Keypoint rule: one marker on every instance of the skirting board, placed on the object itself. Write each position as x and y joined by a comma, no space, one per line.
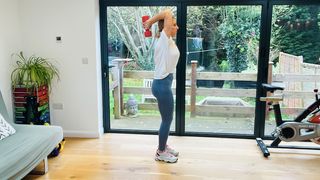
82,134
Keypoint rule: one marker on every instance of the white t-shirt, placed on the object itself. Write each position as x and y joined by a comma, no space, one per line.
166,56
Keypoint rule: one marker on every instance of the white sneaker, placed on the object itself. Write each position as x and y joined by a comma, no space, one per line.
172,151
165,156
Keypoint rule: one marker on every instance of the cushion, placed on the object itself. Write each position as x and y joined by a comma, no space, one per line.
5,128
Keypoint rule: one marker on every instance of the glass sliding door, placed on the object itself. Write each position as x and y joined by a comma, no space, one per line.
131,68
221,68
295,58
218,67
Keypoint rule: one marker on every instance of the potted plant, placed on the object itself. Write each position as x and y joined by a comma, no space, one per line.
33,71
31,81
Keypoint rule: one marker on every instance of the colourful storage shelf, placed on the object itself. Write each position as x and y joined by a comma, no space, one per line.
39,113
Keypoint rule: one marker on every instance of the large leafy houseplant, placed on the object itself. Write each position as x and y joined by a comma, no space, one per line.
31,79
33,71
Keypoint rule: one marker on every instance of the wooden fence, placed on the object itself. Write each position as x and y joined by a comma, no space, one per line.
193,91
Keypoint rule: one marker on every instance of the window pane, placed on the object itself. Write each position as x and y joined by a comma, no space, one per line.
221,68
132,105
295,52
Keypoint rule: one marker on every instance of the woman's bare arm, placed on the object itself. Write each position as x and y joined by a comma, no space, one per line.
167,16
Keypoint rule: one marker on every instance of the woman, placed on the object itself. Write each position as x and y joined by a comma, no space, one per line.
166,57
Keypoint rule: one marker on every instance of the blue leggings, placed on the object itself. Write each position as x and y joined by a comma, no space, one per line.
161,89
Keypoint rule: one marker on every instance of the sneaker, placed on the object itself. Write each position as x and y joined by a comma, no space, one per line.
172,151
165,156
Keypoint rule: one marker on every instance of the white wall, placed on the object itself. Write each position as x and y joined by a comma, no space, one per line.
79,90
9,43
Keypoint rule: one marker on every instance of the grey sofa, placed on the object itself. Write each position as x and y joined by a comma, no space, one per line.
21,152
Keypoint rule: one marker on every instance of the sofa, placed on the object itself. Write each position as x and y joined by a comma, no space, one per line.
28,147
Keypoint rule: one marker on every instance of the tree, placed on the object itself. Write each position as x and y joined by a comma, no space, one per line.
296,31
207,19
239,29
125,24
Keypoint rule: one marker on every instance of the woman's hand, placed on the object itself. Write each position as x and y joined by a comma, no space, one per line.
147,24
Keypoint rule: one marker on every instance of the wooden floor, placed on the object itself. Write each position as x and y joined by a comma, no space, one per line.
127,156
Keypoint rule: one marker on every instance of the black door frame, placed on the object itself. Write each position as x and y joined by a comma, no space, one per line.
104,55
264,45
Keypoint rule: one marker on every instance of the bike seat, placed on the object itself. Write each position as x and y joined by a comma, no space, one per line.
269,87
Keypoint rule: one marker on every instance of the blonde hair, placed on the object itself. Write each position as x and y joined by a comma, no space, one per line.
160,27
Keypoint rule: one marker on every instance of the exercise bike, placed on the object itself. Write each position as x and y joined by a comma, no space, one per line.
305,127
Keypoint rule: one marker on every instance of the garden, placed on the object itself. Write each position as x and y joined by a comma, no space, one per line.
224,41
